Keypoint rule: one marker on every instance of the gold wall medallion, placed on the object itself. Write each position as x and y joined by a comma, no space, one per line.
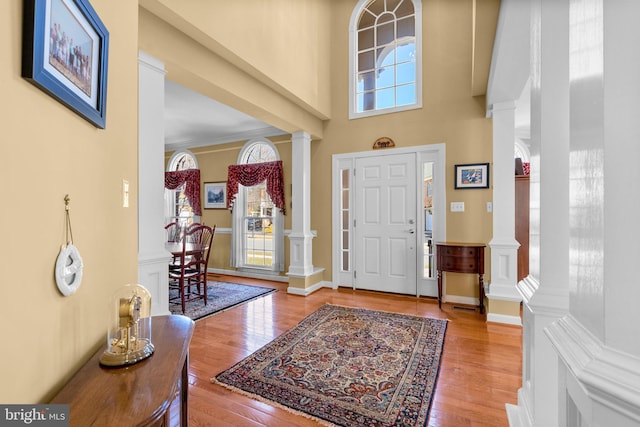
383,142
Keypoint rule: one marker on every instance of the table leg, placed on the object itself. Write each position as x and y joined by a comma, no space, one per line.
481,293
439,288
184,394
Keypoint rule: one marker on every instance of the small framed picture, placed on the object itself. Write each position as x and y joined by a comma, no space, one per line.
470,176
215,195
65,48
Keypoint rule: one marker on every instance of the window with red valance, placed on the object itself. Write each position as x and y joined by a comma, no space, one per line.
253,174
190,177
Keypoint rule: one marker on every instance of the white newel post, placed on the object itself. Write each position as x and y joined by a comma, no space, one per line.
301,262
504,246
152,257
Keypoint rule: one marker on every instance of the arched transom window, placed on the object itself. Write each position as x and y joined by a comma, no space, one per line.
385,64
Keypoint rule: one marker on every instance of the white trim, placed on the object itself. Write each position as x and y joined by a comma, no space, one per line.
353,49
503,318
309,290
606,377
457,299
248,274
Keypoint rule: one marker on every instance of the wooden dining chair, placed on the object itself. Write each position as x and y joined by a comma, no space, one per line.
190,278
173,232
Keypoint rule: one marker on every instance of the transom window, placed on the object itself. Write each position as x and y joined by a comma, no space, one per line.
385,64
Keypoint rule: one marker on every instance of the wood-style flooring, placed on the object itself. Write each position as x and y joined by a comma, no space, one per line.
481,367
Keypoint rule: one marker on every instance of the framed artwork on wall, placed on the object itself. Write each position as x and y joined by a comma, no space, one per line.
65,49
475,175
215,195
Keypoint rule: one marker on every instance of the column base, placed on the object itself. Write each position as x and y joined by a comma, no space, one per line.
306,284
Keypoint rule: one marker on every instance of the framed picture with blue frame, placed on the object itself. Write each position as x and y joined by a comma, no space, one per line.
65,53
475,175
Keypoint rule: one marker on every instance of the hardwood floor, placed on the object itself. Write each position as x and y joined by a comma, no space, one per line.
480,370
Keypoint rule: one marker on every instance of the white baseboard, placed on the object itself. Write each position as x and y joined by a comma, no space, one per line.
309,290
503,318
275,278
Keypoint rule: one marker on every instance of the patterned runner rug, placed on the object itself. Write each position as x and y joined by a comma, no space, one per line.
220,296
348,367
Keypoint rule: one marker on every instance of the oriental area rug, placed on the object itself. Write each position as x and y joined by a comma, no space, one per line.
220,296
347,367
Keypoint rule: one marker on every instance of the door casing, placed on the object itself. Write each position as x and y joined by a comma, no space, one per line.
435,153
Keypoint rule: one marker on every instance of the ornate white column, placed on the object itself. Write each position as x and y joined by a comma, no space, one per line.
152,257
504,246
546,290
301,263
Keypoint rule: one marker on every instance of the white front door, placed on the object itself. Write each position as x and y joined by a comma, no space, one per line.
385,223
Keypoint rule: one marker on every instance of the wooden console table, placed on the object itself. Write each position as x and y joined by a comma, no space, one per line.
135,395
461,258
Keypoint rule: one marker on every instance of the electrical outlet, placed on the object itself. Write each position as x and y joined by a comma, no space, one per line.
125,193
457,206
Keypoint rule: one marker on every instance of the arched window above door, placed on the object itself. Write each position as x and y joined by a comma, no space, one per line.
385,57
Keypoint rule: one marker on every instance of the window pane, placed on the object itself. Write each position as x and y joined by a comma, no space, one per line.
366,20
406,27
368,101
405,9
384,98
385,34
406,94
386,77
365,39
345,220
345,178
365,61
376,7
384,57
406,73
345,240
360,102
366,81
385,17
406,52
345,261
345,199
392,4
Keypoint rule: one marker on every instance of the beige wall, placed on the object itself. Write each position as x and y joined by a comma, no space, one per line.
450,113
49,151
292,59
213,71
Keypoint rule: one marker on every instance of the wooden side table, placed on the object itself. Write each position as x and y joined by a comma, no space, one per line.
136,395
461,258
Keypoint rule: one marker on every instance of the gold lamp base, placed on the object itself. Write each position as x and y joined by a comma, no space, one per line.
126,358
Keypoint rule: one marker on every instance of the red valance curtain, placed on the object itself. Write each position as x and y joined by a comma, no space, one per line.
253,174
173,180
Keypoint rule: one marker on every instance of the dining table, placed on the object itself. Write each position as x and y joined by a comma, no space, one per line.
190,249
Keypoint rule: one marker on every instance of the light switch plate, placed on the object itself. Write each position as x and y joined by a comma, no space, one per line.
125,193
457,206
